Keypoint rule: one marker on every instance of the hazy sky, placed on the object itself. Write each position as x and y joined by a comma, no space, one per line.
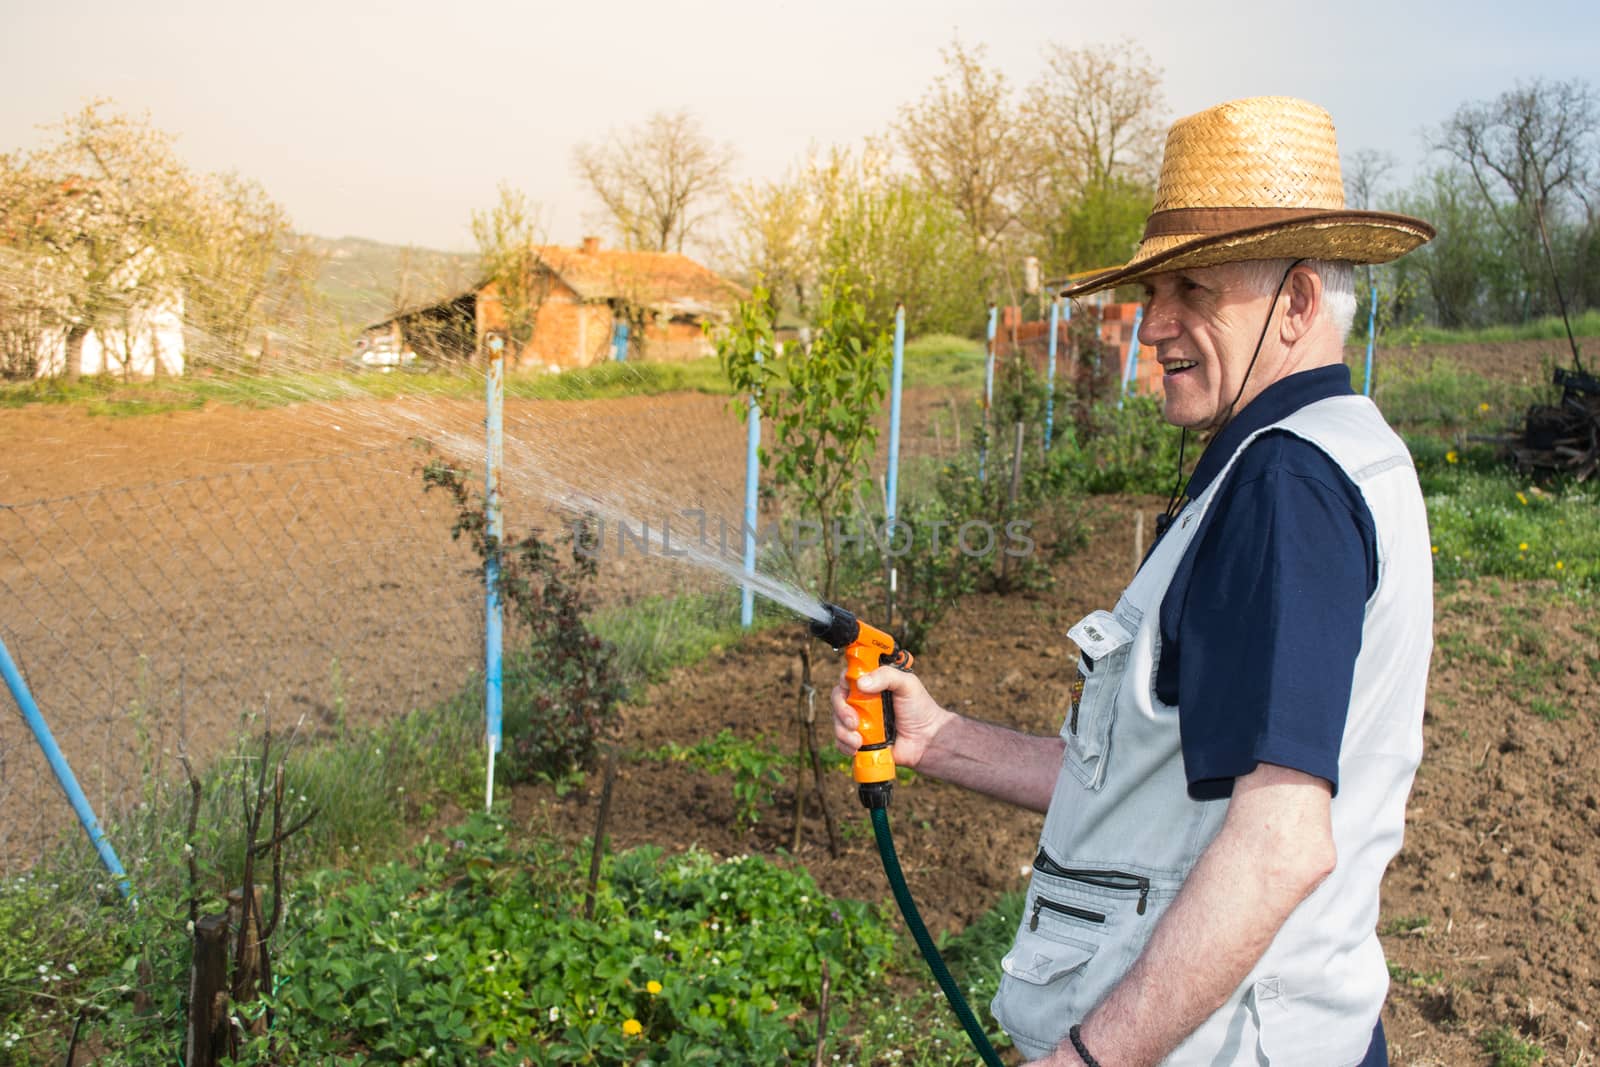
396,120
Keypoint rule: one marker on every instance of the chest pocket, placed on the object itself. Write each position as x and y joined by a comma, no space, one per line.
1104,644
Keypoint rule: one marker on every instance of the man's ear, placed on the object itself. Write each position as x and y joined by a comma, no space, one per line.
1303,294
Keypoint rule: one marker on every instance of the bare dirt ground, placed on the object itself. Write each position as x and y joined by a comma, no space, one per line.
1491,914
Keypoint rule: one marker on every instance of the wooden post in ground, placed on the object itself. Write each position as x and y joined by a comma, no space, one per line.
206,1040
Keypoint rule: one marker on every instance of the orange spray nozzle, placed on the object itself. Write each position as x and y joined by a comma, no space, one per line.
866,648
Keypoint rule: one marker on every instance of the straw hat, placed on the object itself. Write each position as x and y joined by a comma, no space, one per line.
1256,179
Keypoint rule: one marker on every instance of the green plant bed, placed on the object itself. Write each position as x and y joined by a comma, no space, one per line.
1486,520
478,950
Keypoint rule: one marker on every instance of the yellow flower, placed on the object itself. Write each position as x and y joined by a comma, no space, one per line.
632,1027
1451,457
1523,547
1522,499
1483,406
652,987
1560,566
1435,550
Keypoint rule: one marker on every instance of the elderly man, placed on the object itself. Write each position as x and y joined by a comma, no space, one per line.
1231,778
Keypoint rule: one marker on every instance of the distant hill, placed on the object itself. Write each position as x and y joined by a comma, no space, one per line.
364,281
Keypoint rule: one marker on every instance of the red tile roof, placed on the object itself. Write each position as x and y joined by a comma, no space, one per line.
666,281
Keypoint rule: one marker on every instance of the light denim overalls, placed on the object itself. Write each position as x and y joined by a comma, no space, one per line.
1122,833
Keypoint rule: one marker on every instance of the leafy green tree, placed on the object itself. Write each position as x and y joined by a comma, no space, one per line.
1466,273
233,266
896,241
507,235
821,405
1101,227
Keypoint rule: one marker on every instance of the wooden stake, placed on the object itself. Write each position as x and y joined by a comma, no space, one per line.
206,1038
822,1016
600,818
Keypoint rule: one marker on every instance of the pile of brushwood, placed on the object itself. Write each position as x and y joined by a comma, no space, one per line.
1563,438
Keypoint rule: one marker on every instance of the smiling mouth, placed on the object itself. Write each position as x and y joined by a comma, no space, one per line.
1178,366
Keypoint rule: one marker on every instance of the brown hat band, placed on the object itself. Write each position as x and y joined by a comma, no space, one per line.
1191,220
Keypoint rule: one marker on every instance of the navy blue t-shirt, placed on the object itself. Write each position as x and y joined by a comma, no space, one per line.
1262,622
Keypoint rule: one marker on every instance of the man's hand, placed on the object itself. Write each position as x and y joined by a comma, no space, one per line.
1002,763
917,718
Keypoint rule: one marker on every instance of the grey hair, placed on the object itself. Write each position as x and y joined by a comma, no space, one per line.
1262,277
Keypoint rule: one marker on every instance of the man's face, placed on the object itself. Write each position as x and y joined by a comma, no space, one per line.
1203,325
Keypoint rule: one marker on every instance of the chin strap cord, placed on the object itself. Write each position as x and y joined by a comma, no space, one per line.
1176,501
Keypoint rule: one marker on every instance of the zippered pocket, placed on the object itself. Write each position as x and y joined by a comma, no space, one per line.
1081,914
1115,881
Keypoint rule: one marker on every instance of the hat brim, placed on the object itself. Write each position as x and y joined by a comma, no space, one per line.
1350,236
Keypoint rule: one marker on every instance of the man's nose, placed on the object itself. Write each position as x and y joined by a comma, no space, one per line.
1158,323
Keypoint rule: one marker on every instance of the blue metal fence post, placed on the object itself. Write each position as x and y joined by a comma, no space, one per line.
891,485
1050,375
1130,373
492,631
752,484
63,772
619,341
1372,334
988,396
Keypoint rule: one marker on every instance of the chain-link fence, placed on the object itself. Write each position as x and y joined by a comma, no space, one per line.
316,593
173,616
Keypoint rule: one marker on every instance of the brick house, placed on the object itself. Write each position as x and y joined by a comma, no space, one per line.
584,294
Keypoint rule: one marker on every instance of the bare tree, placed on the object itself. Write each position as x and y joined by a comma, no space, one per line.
507,237
775,229
1364,174
1100,110
1531,152
655,180
967,142
1096,114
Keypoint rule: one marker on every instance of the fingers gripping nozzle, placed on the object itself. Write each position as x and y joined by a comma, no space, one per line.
866,648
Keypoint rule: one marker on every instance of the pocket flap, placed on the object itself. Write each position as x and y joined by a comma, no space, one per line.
1040,960
1099,634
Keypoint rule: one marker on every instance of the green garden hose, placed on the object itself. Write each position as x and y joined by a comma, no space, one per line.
908,908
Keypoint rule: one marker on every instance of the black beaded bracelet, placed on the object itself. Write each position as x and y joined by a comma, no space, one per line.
1076,1037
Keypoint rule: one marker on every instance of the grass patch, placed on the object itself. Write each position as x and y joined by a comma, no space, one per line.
1508,1049
1550,328
920,1027
107,396
1415,979
1444,397
943,360
71,939
1488,521
757,769
606,380
657,633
